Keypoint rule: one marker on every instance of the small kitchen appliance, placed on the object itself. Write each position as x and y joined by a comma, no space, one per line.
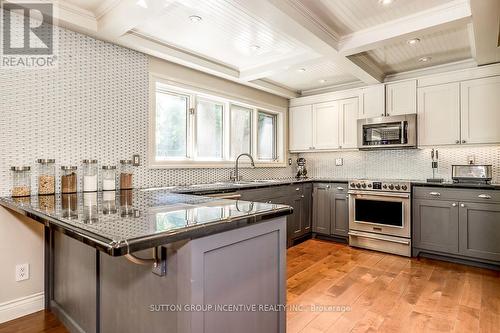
380,215
471,173
301,168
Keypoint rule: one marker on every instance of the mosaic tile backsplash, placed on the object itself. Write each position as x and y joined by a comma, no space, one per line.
93,105
412,164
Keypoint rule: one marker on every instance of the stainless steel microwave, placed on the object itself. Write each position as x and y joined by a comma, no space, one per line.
388,132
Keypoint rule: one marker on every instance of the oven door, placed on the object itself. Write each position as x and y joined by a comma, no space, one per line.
381,213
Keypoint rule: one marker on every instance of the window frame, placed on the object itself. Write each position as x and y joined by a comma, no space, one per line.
161,84
275,134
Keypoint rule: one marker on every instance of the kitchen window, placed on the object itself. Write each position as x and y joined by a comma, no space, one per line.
191,128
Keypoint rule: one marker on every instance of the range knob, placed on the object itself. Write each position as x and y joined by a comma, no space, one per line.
353,185
397,187
391,187
369,185
358,185
363,185
385,186
404,187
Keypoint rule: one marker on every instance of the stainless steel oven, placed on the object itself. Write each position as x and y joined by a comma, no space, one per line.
388,132
380,216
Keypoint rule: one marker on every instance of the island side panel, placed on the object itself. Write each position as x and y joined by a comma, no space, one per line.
242,266
74,274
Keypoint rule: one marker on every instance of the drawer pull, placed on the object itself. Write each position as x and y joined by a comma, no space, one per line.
340,188
435,194
484,196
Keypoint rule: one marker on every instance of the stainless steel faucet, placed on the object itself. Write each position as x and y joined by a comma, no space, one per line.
235,175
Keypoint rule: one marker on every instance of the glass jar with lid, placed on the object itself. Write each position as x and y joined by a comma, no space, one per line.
126,174
90,175
108,177
21,181
46,176
69,179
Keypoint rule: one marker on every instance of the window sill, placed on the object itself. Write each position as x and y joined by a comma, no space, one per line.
208,164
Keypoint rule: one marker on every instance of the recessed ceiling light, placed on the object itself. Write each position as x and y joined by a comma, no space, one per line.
322,81
195,18
301,70
142,3
425,59
413,41
255,47
385,2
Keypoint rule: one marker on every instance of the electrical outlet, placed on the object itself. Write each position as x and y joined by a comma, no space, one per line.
136,160
471,159
289,161
22,272
339,161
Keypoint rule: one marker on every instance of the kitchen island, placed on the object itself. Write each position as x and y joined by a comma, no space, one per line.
157,261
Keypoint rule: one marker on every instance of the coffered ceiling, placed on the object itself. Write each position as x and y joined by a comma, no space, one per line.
289,46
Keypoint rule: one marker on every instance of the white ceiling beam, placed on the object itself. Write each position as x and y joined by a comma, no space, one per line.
293,19
450,14
486,20
276,66
141,43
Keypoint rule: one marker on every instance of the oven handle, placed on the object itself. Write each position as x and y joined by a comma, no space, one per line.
352,233
385,194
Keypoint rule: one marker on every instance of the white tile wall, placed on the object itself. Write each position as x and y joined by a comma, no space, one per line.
399,164
93,105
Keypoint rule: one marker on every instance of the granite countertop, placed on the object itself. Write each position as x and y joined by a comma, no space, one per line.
450,184
127,221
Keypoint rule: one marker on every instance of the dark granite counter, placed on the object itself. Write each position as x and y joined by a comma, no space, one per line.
132,220
458,185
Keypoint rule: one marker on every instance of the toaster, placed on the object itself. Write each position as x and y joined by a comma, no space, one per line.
471,173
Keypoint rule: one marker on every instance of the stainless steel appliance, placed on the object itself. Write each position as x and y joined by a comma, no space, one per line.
380,215
388,132
301,168
471,173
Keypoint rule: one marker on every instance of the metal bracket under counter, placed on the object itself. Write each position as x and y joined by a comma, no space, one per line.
159,260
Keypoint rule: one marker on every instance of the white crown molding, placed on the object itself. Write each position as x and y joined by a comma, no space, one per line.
21,307
105,7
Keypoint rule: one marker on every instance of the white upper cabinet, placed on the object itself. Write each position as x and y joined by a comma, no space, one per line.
480,111
401,98
301,127
326,126
348,112
438,119
372,101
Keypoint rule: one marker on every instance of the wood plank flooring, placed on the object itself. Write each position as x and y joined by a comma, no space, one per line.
383,293
387,293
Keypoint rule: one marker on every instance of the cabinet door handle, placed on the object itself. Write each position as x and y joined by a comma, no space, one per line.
463,141
462,205
340,188
454,204
457,141
328,186
302,196
297,189
484,196
382,114
435,194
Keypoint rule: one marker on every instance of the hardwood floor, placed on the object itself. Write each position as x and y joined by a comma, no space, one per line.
382,293
387,293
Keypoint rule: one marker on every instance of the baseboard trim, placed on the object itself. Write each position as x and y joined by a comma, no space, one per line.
21,307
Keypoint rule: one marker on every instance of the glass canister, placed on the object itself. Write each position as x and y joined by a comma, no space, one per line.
108,177
21,181
126,174
69,179
46,176
90,174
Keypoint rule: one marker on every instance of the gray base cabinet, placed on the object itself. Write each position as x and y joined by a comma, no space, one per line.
331,210
298,196
462,223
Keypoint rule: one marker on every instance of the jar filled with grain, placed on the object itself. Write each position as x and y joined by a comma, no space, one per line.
69,179
46,176
108,177
90,174
126,174
21,181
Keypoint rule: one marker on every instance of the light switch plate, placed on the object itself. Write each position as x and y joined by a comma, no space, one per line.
339,161
136,160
